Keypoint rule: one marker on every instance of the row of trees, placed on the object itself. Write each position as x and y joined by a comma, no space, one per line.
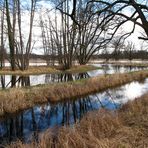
11,18
70,40
78,30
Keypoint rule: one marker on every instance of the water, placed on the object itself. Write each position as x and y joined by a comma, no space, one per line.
7,81
28,124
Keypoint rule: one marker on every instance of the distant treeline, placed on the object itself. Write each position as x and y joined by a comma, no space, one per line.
123,55
114,55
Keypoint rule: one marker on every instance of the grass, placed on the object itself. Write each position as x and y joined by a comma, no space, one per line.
33,70
124,128
82,69
30,71
16,99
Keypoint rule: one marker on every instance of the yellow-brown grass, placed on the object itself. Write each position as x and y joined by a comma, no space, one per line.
45,69
82,68
15,99
125,128
31,70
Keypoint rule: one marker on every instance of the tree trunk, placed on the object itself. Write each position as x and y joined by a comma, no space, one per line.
10,37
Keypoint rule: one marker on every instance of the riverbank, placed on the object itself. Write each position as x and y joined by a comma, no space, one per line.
36,70
17,99
126,127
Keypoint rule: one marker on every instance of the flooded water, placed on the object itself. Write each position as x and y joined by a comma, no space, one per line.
29,124
7,81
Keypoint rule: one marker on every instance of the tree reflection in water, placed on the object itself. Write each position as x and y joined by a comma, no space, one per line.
65,77
22,81
15,81
7,81
27,125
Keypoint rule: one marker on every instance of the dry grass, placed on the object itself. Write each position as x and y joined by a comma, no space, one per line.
45,69
31,70
16,99
125,128
82,69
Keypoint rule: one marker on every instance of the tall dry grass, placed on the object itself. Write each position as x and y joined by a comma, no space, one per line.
125,128
13,100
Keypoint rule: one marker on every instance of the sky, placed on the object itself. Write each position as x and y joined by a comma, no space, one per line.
44,5
126,27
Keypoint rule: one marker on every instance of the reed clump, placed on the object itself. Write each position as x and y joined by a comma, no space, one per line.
123,128
16,99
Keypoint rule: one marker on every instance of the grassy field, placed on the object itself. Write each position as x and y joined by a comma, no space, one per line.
16,99
124,128
34,70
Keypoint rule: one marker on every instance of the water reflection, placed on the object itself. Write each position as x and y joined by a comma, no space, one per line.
29,124
111,69
7,81
15,81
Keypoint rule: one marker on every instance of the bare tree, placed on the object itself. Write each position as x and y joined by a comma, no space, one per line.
21,48
48,39
92,34
16,42
11,32
117,44
117,8
63,37
130,50
87,33
2,48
